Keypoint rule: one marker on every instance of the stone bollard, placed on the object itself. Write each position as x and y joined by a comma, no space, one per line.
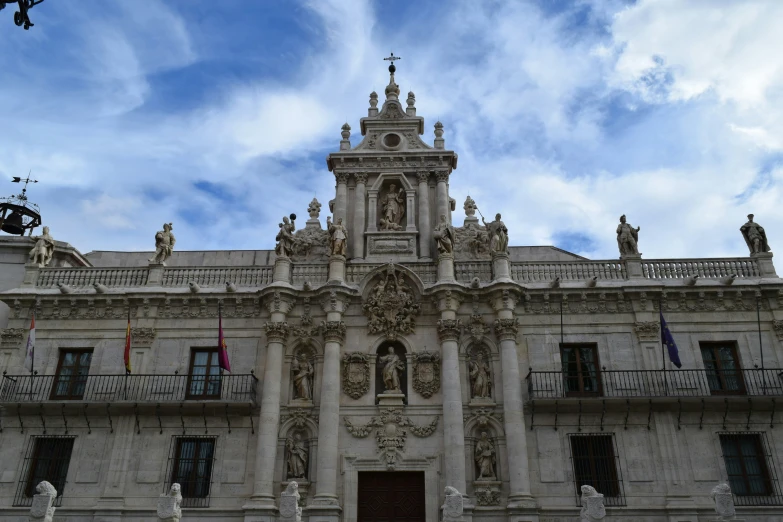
445,267
290,511
724,503
592,505
169,505
453,506
43,503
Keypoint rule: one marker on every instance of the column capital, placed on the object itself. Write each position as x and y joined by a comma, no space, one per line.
442,176
423,176
506,329
278,302
448,300
276,331
341,177
333,331
334,301
449,329
360,177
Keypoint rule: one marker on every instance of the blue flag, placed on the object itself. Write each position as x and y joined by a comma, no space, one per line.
668,341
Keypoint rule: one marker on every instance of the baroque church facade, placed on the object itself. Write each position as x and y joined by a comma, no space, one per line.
391,365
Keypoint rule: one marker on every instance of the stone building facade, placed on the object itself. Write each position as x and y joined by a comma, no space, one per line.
386,356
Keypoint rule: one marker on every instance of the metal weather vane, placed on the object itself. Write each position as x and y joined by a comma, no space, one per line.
17,213
21,17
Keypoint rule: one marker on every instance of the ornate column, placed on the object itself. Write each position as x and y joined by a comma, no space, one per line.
506,327
442,194
341,202
453,423
325,503
269,422
372,211
425,228
358,215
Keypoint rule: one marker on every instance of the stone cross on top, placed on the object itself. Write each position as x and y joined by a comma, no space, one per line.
392,58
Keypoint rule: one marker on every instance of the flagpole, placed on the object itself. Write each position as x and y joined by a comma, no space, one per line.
32,359
561,320
663,351
220,344
761,346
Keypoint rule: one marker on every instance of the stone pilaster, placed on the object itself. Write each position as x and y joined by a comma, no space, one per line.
442,193
263,498
358,215
425,232
341,201
506,328
633,265
325,505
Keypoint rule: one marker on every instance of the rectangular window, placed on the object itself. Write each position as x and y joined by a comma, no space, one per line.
750,470
581,373
721,363
46,458
595,464
191,467
204,376
71,377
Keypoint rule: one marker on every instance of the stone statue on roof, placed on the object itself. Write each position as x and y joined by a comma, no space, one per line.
754,236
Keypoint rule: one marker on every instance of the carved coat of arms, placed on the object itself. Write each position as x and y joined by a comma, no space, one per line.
356,374
426,373
391,305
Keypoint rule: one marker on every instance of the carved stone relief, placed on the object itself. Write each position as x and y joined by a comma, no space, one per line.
778,326
487,496
143,336
471,243
390,433
648,331
391,306
356,374
11,337
426,373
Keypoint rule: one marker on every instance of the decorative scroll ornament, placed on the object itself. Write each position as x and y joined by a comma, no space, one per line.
299,417
426,373
391,306
487,496
356,374
477,327
648,331
390,434
483,416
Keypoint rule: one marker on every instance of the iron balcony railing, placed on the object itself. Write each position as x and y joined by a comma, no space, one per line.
655,383
135,388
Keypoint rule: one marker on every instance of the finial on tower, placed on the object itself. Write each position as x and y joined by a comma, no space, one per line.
392,90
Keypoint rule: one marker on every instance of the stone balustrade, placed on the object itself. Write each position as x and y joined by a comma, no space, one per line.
714,268
81,277
567,271
218,276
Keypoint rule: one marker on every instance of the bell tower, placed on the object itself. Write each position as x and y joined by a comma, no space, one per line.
393,186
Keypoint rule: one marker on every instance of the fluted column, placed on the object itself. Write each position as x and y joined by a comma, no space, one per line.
425,229
358,215
442,195
269,421
506,328
453,422
341,201
325,504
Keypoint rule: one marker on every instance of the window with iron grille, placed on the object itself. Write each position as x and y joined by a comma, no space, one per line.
594,459
750,469
46,458
190,465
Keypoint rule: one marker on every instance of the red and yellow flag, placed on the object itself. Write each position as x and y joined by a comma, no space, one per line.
127,346
222,348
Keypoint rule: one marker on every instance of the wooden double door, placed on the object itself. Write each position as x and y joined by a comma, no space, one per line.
394,496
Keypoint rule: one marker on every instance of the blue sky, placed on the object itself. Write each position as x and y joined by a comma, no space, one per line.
217,116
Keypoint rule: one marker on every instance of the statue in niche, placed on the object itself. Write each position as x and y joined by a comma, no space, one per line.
480,384
485,458
297,456
392,368
393,208
164,245
338,236
754,235
498,235
627,238
444,236
303,377
285,238
42,252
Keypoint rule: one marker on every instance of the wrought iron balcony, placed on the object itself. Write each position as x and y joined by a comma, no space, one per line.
131,388
655,383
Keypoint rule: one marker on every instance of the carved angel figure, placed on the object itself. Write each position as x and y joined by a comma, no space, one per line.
393,208
754,236
42,252
485,458
164,245
297,457
393,366
627,238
